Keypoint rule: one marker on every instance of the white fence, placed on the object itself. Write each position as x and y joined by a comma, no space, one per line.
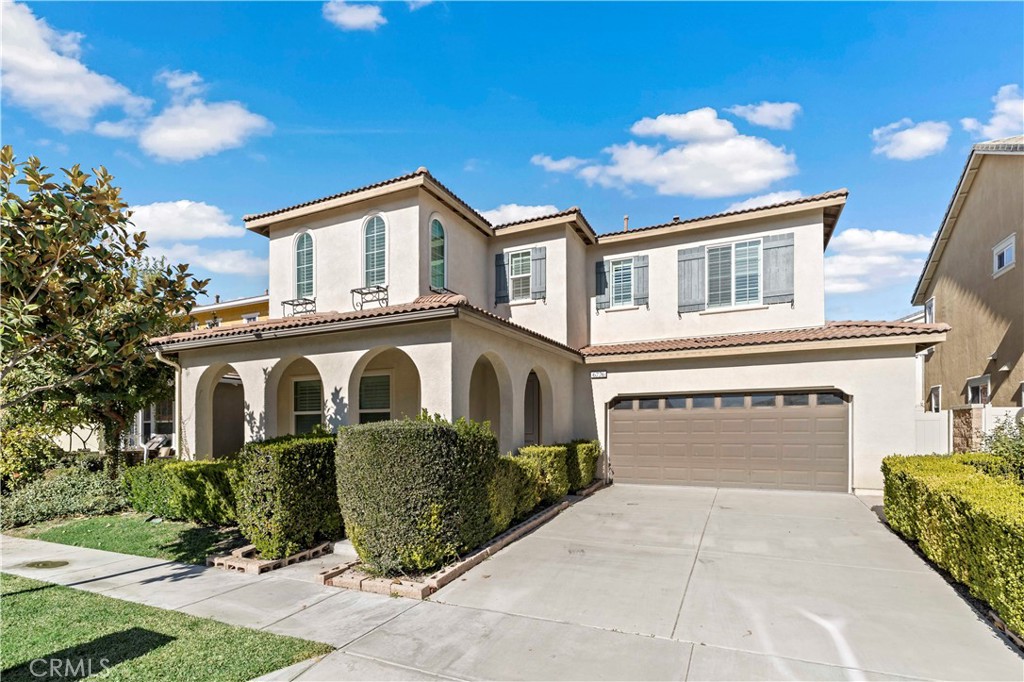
933,431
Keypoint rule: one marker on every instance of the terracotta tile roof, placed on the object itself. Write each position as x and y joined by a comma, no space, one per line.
429,302
831,331
547,216
834,194
419,172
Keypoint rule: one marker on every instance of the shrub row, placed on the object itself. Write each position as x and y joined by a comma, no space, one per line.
967,521
62,492
564,468
183,491
414,493
285,495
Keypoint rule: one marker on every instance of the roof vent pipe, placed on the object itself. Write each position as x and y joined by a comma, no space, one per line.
625,223
675,219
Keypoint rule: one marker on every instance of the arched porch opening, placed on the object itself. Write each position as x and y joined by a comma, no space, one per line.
490,397
298,397
385,384
538,410
220,412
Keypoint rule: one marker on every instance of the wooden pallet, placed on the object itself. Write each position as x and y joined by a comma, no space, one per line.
244,559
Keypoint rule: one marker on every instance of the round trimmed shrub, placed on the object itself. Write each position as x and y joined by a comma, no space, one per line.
415,493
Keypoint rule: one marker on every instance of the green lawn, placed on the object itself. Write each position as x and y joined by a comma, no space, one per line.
131,534
55,623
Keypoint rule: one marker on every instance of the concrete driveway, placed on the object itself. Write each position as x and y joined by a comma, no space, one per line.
693,583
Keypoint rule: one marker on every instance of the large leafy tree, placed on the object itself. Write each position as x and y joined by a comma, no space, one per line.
79,300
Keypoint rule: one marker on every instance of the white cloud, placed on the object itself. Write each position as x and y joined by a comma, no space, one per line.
765,200
873,259
710,159
192,130
1007,116
563,165
778,115
219,261
353,17
906,141
181,84
42,71
118,129
699,124
418,4
721,168
183,220
510,213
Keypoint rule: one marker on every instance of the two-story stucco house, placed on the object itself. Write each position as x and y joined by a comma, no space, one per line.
972,281
696,350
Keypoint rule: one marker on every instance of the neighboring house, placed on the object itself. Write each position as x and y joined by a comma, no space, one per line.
973,282
696,350
229,313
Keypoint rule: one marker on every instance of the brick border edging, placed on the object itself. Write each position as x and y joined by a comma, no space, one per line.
348,576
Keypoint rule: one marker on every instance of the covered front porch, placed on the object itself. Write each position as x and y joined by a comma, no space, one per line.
233,393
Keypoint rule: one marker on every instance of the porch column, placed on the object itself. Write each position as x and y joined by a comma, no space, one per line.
434,363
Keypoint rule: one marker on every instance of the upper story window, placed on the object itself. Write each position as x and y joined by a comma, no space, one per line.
249,318
375,252
978,390
929,310
1003,256
734,274
622,282
304,266
519,270
438,256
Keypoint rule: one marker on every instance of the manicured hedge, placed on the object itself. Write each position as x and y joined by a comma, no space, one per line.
285,494
553,470
513,491
414,493
62,492
965,520
581,461
183,491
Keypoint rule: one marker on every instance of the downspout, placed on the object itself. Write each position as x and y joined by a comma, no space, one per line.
177,400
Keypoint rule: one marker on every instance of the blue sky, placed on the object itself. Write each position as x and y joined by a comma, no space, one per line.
208,111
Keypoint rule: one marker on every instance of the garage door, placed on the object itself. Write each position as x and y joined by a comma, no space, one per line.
793,440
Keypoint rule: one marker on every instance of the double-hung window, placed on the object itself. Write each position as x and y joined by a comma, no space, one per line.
978,390
1003,256
519,271
374,398
307,404
375,252
622,282
734,274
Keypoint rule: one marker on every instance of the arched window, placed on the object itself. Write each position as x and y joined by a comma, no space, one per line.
304,266
438,256
375,252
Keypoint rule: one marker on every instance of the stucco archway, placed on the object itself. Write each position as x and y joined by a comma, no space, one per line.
294,397
490,397
221,412
538,408
385,384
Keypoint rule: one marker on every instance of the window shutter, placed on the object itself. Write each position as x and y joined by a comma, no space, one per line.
778,269
691,280
603,299
500,278
538,273
640,281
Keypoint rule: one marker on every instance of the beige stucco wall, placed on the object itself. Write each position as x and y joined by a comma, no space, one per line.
467,250
986,313
881,381
662,320
338,252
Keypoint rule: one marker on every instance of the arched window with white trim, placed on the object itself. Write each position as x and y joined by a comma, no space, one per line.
304,266
375,252
438,256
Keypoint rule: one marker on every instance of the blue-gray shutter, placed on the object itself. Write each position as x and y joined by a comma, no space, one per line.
778,269
538,273
500,278
603,298
640,281
691,280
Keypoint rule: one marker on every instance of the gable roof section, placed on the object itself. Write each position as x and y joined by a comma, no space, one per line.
1006,145
261,222
831,331
832,202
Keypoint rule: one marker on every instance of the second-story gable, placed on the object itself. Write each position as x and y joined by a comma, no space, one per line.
393,242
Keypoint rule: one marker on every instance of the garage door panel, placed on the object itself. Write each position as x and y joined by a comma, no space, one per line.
802,447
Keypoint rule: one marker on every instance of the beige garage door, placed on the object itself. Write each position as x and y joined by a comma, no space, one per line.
793,440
